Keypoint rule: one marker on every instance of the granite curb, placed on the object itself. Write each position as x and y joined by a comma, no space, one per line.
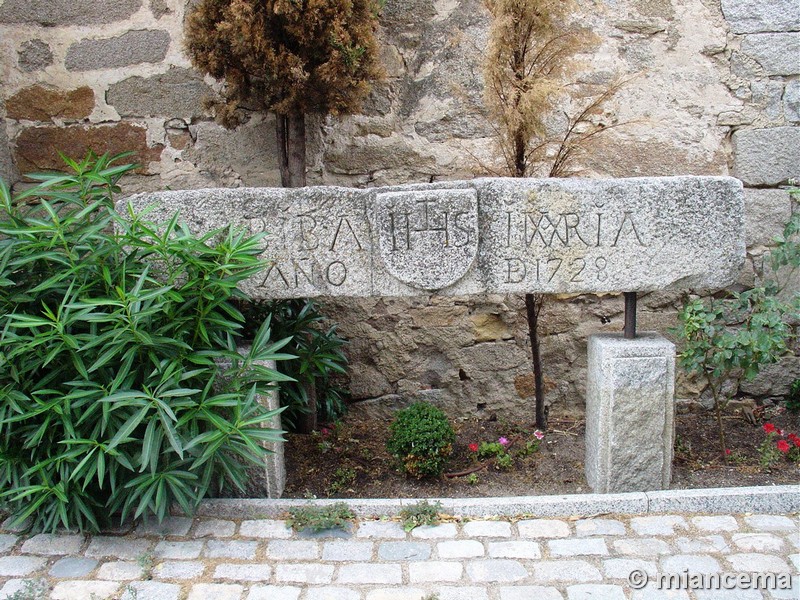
784,499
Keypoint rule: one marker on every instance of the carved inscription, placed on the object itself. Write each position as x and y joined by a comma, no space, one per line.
429,239
325,248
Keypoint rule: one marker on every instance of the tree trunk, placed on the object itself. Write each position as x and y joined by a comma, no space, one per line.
308,423
291,132
533,304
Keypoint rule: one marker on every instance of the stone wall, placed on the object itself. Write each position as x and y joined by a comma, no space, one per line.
717,92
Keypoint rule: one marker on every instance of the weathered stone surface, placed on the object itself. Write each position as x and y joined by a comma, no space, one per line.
43,103
66,12
489,235
776,52
159,8
250,151
629,413
34,55
791,101
754,16
37,147
7,171
766,156
765,215
176,93
130,48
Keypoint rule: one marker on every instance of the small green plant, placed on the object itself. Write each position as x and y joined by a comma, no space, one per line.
531,447
32,589
320,518
421,438
121,389
504,462
793,399
146,562
342,478
490,450
421,513
472,479
736,336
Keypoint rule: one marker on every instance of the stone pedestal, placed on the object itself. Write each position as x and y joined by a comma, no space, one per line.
275,464
629,413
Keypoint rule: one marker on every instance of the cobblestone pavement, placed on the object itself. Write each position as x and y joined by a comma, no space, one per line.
537,559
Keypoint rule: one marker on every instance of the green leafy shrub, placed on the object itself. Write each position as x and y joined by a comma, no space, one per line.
121,390
421,513
793,399
320,518
736,336
320,355
421,438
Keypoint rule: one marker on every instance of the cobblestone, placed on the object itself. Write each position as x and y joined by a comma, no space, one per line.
19,566
217,591
172,569
496,570
587,527
404,551
120,571
241,572
169,526
151,590
71,567
84,590
771,523
53,545
347,551
579,547
514,550
660,525
370,573
543,528
293,550
716,523
460,549
758,542
709,543
381,529
214,528
527,592
7,541
274,592
494,529
178,550
435,571
484,559
231,549
265,528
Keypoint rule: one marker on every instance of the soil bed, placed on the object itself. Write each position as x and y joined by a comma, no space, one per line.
350,460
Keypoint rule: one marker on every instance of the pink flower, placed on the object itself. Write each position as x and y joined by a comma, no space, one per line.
769,428
538,435
783,446
473,447
503,441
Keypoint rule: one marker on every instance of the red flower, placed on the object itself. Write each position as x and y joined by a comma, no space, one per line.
769,428
783,446
794,439
473,447
727,451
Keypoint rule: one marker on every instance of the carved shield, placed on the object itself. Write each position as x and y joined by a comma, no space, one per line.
428,239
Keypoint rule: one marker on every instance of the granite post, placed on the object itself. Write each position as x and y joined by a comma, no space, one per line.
630,411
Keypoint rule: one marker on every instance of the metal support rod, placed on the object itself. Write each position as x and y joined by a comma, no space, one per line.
630,315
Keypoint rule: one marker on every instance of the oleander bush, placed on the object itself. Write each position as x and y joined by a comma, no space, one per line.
121,390
421,438
312,395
